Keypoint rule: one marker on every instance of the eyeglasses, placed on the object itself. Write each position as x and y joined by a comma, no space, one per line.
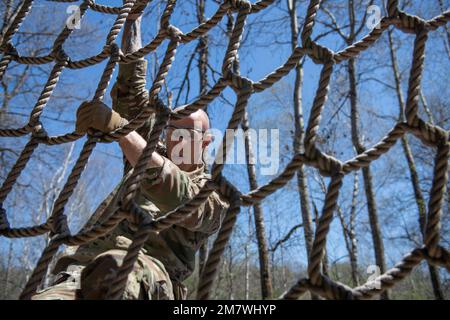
177,133
172,126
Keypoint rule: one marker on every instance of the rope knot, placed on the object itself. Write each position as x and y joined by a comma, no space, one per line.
137,9
237,5
59,226
410,23
439,257
158,105
226,188
60,55
318,53
9,49
174,33
237,82
113,49
336,290
38,131
328,166
95,135
429,134
392,8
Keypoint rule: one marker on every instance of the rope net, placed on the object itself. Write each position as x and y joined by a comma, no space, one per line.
316,282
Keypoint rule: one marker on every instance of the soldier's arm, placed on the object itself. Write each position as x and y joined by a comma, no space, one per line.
131,80
168,187
132,146
131,39
129,89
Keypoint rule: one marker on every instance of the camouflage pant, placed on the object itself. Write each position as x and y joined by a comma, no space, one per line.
147,281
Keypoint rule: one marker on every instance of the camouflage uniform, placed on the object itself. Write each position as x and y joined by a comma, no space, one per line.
167,258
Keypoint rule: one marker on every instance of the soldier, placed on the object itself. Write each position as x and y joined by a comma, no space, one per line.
168,257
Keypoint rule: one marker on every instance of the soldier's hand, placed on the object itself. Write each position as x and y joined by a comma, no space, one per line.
97,115
128,92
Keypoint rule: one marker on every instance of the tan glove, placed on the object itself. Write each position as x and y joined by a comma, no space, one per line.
97,115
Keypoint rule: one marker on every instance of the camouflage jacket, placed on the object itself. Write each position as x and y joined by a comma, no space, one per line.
162,190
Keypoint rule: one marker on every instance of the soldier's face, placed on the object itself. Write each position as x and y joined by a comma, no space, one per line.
185,143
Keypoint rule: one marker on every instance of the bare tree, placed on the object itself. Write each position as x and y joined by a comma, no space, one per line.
266,278
299,133
349,232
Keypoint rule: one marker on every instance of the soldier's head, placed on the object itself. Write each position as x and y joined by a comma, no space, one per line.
187,138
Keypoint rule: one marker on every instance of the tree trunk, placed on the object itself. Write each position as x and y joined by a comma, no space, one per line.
352,234
426,108
247,259
266,278
230,274
202,49
299,135
8,272
263,251
367,176
325,264
302,183
349,234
